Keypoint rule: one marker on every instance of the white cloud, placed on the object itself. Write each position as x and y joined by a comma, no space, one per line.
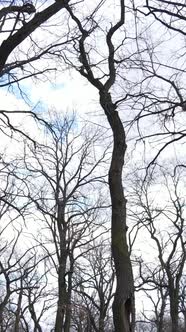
67,93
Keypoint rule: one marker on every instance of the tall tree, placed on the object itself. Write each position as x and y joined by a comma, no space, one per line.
63,168
123,305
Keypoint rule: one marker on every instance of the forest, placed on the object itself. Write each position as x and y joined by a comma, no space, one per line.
92,166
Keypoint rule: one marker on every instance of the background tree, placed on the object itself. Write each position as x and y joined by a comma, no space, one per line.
61,171
169,242
94,287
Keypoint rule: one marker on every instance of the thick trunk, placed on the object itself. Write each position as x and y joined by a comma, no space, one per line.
101,324
62,292
68,307
184,315
102,313
61,305
124,297
174,318
67,318
174,303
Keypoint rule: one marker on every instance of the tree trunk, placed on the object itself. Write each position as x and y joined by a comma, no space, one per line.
101,324
1,320
174,310
184,315
102,312
18,311
62,260
61,305
68,308
160,315
37,327
123,304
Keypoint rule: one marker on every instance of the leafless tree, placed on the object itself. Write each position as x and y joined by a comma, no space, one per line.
19,260
18,267
103,79
94,288
62,170
153,284
169,241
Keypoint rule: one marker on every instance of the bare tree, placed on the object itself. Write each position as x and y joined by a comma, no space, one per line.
61,171
169,241
17,267
103,80
153,284
94,287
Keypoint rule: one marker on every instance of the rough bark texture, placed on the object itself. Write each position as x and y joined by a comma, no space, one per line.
161,314
61,300
68,302
62,259
174,305
185,320
123,306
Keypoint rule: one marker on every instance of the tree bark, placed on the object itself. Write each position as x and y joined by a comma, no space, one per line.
37,327
18,311
62,260
161,314
68,303
123,305
61,300
184,315
174,303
